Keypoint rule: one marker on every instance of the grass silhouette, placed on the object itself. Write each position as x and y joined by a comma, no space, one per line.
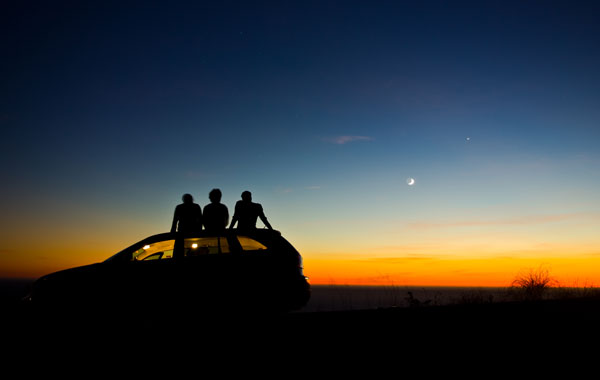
532,284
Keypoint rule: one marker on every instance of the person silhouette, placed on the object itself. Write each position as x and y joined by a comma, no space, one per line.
188,216
215,214
246,213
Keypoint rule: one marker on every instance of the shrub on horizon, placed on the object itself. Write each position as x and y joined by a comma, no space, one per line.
532,284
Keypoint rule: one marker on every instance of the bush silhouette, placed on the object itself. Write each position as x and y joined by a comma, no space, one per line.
532,284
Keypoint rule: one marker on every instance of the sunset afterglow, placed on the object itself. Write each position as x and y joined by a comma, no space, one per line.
392,143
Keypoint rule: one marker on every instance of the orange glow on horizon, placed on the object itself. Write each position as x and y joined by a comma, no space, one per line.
488,272
385,266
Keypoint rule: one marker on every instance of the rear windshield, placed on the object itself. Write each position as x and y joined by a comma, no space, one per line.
249,244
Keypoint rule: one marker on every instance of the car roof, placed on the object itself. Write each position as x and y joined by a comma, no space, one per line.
264,233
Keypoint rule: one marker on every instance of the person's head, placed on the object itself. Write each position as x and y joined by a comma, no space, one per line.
247,196
215,195
187,198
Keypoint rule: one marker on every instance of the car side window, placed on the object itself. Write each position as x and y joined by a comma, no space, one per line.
155,251
249,244
205,246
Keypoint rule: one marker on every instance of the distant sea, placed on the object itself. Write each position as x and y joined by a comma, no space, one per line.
349,297
13,289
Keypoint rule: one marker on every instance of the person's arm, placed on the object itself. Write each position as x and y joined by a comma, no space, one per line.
204,218
233,221
263,218
175,218
235,216
226,216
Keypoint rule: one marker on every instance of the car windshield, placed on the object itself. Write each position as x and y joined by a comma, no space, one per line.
155,251
145,251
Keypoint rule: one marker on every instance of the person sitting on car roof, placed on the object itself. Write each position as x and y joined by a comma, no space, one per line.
188,216
215,214
247,212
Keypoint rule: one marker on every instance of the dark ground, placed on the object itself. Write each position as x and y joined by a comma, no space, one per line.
493,332
568,318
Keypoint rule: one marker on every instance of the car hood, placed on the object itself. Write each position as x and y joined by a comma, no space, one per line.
70,273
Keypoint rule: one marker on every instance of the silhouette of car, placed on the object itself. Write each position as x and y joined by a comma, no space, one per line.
235,270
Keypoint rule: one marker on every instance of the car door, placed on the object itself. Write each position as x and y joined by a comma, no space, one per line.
148,277
205,267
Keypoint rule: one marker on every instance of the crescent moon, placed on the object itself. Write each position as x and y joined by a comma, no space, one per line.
410,181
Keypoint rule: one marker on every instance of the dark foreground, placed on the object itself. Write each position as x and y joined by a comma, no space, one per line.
459,339
485,325
497,331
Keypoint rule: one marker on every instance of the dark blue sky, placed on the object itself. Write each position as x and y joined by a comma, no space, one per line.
123,106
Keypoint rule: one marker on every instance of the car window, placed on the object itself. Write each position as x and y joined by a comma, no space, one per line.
249,244
205,245
155,251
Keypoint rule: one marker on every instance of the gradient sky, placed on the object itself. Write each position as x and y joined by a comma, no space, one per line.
110,111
